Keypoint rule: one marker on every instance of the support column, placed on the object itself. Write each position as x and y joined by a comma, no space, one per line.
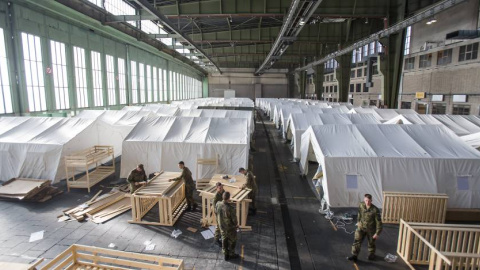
291,83
390,66
343,76
302,83
319,76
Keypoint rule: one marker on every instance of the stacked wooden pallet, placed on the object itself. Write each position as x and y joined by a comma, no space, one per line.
24,189
100,209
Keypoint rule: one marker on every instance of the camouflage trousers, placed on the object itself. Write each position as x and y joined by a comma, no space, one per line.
357,243
133,187
252,197
218,233
189,196
229,241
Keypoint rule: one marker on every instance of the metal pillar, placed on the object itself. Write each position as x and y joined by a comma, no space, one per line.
343,76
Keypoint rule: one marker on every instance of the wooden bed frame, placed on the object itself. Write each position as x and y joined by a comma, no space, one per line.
414,207
85,159
170,197
202,183
440,246
238,196
86,257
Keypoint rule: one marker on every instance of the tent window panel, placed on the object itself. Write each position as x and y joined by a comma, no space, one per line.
133,68
462,183
149,83
5,87
122,85
141,78
34,79
97,79
80,77
155,84
352,181
59,72
111,80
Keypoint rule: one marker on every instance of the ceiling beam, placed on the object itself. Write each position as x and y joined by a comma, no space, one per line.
166,23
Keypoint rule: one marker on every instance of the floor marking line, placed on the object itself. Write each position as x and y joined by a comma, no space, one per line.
241,259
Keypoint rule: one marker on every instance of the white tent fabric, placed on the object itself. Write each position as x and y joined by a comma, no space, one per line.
36,146
220,114
473,140
383,114
298,123
161,142
112,127
461,125
360,159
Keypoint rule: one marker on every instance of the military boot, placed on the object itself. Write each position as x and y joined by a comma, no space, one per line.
352,258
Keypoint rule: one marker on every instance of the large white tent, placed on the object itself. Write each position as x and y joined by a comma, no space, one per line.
461,125
34,147
359,159
220,114
298,123
112,127
161,142
383,114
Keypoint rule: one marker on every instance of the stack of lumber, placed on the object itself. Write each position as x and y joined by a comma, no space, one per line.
99,209
32,190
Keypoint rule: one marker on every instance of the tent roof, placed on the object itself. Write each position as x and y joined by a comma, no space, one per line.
415,141
45,130
304,121
7,123
191,130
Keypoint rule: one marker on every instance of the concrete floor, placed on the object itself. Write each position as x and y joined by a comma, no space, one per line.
288,232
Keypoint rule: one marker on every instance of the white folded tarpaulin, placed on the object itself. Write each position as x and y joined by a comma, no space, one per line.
359,159
161,142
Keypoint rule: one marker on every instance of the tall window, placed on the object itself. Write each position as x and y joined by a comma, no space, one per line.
97,2
155,83
110,63
371,48
172,86
149,27
59,72
160,84
5,89
97,79
149,84
164,78
141,78
80,77
407,40
133,68
409,63
35,84
122,85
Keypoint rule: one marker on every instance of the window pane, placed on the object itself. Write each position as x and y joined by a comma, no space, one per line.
133,68
155,84
149,83
59,71
97,79
5,88
112,97
34,73
122,85
141,78
80,77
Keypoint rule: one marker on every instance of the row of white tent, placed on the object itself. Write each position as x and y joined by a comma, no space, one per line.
214,102
34,147
362,151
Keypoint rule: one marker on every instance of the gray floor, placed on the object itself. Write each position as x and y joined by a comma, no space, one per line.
288,232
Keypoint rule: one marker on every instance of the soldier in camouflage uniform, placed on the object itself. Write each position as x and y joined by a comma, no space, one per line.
189,185
227,221
136,177
251,184
216,199
369,225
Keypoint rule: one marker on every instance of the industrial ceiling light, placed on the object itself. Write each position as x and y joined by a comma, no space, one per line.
366,20
302,21
433,20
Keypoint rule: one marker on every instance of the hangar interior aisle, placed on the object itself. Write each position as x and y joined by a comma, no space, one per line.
240,134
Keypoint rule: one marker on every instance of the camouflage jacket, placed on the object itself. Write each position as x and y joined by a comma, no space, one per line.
226,216
251,183
186,176
216,199
369,219
136,176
